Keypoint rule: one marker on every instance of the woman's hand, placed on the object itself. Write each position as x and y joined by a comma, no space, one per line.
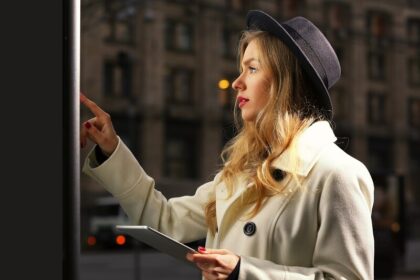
98,129
214,263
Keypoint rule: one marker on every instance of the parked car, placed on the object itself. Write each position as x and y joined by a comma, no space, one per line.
105,214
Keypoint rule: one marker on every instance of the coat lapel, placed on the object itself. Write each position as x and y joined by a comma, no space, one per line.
223,203
227,209
309,147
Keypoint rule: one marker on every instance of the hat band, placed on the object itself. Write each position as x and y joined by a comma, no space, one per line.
307,49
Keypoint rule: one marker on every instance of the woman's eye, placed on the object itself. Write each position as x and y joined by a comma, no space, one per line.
252,69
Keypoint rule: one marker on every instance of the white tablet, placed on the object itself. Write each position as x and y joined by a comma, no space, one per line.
158,240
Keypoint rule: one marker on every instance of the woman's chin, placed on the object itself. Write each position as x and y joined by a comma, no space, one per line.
248,117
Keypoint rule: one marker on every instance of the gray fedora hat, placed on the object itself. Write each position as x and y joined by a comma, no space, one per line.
312,49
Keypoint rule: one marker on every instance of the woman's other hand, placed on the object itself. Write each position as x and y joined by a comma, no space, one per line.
98,129
214,263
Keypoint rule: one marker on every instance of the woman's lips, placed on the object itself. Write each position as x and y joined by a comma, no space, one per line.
242,101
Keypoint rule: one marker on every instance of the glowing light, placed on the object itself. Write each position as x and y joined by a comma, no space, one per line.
224,84
395,227
120,240
91,240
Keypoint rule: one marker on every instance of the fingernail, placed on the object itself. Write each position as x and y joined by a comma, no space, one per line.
201,249
87,125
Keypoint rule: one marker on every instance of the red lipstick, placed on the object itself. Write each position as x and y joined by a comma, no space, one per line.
242,101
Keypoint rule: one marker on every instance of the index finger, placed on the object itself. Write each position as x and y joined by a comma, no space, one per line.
95,109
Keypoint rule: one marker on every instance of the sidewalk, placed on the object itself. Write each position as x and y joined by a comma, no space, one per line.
410,264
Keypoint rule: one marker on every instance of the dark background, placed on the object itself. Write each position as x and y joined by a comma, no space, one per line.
31,139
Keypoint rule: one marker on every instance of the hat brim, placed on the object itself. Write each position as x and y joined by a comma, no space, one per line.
264,22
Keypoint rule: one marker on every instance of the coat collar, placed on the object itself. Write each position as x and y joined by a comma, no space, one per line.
310,144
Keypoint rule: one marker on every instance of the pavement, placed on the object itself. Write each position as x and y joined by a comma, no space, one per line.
409,267
132,265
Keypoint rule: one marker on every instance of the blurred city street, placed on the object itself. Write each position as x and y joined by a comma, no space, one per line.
149,264
132,265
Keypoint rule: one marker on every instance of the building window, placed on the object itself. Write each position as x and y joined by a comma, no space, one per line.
380,154
376,67
118,76
414,112
179,35
179,86
376,108
378,24
120,18
414,71
181,149
413,30
338,18
379,28
230,40
340,102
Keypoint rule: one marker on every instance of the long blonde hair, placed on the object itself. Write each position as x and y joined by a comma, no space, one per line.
290,109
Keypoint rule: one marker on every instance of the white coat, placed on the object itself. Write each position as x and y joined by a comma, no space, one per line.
321,231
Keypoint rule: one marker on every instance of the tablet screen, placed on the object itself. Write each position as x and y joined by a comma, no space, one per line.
158,240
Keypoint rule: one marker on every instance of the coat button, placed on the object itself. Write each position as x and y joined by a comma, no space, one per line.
250,228
278,174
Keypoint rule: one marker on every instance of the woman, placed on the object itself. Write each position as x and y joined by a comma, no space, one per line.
287,203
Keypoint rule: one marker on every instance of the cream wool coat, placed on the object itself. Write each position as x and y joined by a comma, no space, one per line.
321,231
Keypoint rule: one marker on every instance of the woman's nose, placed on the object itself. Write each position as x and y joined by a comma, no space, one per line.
238,84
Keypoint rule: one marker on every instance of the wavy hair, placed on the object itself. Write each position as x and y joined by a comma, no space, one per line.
290,109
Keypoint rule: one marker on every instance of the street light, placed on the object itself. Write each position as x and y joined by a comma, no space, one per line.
223,84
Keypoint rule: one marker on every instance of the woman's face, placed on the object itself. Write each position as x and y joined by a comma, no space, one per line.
252,84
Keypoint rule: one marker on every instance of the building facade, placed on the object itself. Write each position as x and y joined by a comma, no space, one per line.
155,66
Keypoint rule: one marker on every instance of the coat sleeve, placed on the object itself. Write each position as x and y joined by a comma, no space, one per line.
344,247
181,218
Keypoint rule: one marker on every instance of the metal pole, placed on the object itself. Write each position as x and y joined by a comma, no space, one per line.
71,142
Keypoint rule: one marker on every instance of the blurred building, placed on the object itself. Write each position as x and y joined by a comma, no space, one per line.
155,66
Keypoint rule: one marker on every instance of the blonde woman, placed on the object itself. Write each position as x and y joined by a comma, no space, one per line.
287,203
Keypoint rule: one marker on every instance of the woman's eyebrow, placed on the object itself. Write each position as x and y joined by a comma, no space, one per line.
249,60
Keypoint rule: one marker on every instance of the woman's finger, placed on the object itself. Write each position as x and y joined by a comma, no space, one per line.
93,133
99,129
190,257
211,275
208,275
205,258
95,109
215,251
84,133
205,266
